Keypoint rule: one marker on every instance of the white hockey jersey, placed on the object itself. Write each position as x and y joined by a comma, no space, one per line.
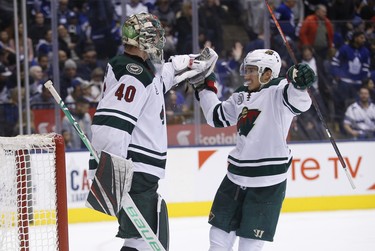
130,117
261,156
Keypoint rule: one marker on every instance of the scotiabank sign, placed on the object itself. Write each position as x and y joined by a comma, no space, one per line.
184,135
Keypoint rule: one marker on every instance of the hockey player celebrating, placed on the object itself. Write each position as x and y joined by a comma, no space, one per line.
249,199
130,118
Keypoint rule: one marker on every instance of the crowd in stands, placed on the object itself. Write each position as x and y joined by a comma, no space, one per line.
336,38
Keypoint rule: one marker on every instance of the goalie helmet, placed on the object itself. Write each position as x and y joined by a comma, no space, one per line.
262,58
145,32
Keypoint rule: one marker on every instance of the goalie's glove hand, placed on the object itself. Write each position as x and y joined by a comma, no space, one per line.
301,76
93,165
207,84
188,66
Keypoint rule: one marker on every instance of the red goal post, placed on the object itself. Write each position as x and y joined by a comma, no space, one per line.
33,200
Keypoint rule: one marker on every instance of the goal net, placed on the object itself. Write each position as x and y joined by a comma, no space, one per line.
33,208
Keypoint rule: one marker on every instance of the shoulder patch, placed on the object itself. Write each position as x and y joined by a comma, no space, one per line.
134,69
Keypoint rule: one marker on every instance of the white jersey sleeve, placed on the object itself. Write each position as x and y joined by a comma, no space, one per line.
217,113
297,101
167,75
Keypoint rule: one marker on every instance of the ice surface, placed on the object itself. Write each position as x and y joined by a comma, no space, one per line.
325,231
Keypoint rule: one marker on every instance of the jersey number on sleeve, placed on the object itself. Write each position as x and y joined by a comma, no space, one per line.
128,95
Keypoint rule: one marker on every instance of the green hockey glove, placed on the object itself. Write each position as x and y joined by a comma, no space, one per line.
301,76
208,84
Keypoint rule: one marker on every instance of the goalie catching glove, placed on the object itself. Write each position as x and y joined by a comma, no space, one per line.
194,67
301,76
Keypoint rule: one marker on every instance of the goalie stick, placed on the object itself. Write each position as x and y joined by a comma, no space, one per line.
316,105
127,202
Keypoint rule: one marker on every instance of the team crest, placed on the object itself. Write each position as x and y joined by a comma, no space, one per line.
246,120
134,69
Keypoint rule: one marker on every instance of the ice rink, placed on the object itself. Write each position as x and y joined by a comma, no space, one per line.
323,231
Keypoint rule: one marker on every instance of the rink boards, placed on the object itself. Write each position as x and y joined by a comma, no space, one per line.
316,180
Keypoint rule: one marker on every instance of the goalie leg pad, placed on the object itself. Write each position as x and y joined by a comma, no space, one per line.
112,179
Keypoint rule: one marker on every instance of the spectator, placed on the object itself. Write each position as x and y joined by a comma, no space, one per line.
69,73
370,85
44,45
63,13
285,17
42,100
77,84
37,81
256,43
29,54
4,42
317,31
83,118
44,62
4,90
349,67
164,12
88,63
211,14
322,91
66,43
62,59
170,40
96,83
359,122
132,7
253,18
101,19
227,71
306,127
9,113
343,10
184,30
76,32
38,29
175,108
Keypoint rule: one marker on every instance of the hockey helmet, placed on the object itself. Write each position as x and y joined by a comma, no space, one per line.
144,31
262,58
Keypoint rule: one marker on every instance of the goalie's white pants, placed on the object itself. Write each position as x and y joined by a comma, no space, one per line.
223,241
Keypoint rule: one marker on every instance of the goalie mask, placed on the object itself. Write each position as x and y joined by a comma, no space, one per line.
263,59
145,32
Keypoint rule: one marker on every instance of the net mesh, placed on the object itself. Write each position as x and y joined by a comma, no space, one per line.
28,193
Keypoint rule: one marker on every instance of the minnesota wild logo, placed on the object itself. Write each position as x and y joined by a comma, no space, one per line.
246,120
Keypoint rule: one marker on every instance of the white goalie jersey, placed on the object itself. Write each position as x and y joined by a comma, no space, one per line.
130,118
261,156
